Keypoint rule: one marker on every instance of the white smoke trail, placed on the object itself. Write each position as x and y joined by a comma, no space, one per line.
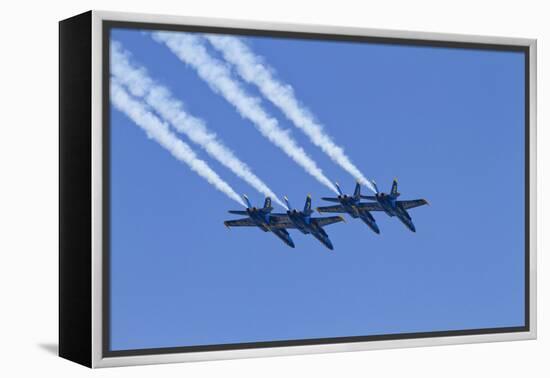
160,99
160,132
252,69
190,50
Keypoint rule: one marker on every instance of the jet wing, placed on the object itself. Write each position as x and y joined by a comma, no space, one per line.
283,234
370,206
245,222
328,220
412,203
331,209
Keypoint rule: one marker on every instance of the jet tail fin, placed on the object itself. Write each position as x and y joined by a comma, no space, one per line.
357,191
338,188
394,191
375,186
267,204
247,201
307,206
287,203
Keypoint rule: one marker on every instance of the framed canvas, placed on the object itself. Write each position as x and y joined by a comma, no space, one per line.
166,121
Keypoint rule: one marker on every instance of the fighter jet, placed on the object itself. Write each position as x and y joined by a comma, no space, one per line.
303,221
351,205
391,206
262,218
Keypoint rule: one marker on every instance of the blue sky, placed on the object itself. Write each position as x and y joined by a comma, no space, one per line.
448,123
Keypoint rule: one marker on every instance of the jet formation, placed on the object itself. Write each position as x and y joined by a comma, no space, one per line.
278,223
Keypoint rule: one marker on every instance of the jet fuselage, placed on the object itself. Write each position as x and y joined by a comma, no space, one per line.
350,203
260,217
304,224
391,206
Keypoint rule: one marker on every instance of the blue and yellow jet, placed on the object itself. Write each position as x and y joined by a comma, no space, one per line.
351,205
305,223
261,218
388,203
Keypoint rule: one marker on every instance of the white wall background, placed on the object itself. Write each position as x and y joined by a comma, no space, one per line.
28,186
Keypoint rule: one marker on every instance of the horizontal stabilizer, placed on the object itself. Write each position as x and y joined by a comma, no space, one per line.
371,198
331,209
328,220
238,212
330,199
245,222
370,206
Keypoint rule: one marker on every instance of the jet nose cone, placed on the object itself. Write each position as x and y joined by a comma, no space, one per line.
291,244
